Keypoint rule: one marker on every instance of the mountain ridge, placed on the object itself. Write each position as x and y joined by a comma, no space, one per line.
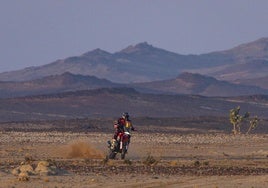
185,83
53,84
143,63
197,84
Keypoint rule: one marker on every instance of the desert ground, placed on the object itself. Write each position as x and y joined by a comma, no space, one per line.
177,157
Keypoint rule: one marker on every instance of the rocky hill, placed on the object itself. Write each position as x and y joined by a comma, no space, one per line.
112,102
260,82
196,84
185,83
53,84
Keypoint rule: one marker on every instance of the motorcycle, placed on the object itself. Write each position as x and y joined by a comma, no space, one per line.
119,145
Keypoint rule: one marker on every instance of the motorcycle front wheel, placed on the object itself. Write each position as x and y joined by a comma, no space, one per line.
124,151
111,154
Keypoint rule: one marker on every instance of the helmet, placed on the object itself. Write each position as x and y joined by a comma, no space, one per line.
125,115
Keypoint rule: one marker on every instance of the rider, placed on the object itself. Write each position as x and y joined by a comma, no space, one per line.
123,124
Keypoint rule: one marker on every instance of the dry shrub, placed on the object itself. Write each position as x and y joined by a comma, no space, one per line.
111,163
83,150
197,163
173,163
28,158
206,163
128,162
150,161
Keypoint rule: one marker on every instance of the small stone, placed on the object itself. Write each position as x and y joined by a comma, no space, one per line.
23,176
27,168
16,171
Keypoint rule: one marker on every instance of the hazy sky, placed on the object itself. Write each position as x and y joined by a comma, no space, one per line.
37,32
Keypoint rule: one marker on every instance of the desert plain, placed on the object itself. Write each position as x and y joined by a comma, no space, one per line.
158,157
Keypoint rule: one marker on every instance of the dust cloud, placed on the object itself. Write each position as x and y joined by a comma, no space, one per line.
81,149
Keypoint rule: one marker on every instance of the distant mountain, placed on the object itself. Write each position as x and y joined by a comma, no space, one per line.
145,63
141,62
53,84
185,83
196,84
243,71
250,51
260,82
246,61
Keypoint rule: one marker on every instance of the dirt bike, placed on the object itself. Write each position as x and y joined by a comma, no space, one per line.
119,145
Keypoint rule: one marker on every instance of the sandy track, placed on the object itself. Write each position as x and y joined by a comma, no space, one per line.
186,160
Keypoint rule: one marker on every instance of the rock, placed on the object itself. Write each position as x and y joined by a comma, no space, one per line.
23,169
27,169
23,176
45,168
44,163
16,171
